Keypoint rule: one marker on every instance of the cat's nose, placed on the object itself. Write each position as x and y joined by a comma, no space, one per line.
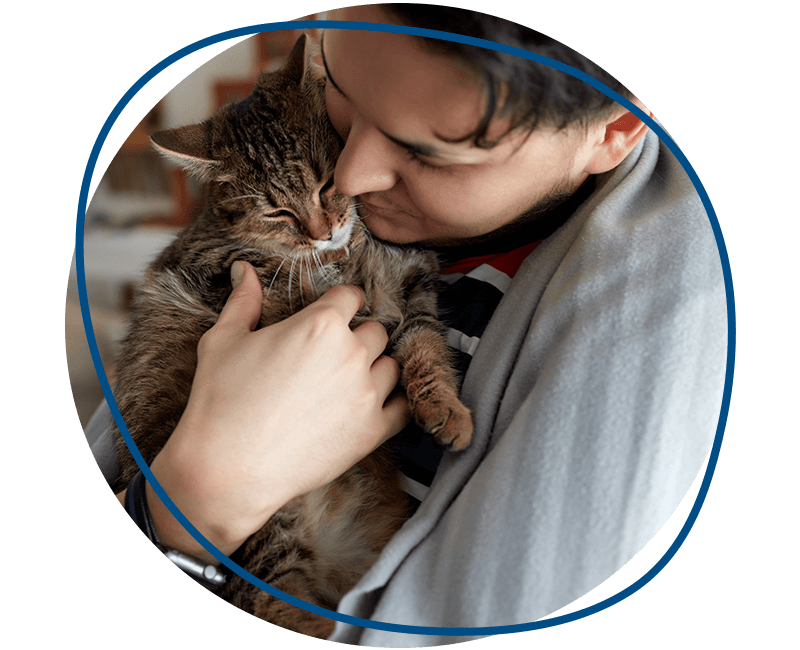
319,231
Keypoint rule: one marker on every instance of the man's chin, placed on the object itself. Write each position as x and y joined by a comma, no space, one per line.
387,231
443,242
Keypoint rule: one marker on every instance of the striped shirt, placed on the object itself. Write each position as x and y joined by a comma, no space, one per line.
474,278
470,291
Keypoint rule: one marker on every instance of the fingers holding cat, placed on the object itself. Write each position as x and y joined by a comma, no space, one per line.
243,308
276,412
345,301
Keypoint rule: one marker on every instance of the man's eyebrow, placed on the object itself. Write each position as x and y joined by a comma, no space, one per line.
413,147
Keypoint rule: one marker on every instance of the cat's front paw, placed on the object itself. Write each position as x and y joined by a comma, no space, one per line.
447,421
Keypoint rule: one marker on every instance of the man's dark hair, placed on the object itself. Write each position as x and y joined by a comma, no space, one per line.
529,94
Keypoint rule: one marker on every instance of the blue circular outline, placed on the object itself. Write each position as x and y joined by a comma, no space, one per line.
397,29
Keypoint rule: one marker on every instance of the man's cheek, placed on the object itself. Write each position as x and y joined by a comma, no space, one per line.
450,204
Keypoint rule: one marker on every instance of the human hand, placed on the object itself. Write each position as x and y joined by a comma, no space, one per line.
274,413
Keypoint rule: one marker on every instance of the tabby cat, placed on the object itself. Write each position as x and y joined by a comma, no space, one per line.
267,165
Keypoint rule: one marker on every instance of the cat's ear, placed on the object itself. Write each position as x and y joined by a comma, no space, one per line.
298,59
189,146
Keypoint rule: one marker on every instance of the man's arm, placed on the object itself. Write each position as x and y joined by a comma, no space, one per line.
273,414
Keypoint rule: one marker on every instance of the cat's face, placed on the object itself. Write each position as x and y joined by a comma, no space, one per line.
268,163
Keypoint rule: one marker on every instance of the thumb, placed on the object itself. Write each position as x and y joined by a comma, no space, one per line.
397,411
243,307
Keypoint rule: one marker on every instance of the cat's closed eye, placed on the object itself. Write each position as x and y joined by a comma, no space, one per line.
282,214
325,190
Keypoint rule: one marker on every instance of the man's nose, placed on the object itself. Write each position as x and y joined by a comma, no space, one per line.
367,162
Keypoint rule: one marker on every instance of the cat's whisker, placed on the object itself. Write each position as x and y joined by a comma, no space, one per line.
328,275
254,189
300,280
311,277
275,276
243,196
291,281
322,270
317,261
356,219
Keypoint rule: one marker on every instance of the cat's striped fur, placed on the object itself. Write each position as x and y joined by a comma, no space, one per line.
267,164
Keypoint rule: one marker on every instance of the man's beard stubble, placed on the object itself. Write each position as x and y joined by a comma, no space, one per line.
534,219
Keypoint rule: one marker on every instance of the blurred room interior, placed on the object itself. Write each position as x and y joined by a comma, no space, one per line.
143,200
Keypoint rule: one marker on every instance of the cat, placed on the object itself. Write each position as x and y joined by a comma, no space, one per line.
267,165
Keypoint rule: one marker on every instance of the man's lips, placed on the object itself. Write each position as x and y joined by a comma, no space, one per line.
382,211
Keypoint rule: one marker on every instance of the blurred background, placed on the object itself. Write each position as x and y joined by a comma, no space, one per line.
143,200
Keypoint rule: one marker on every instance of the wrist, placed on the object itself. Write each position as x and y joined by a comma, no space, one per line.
135,502
217,496
173,535
197,502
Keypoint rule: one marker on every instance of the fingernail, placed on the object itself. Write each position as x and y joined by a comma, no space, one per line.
237,272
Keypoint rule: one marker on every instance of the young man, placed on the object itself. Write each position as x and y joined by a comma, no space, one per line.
595,376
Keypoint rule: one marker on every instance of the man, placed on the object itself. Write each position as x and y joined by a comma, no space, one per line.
595,383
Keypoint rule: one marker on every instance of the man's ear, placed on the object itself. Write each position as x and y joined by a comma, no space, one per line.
622,132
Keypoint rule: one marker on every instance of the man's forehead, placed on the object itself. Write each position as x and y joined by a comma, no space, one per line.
437,134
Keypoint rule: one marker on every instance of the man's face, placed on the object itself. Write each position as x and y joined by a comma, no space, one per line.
395,104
